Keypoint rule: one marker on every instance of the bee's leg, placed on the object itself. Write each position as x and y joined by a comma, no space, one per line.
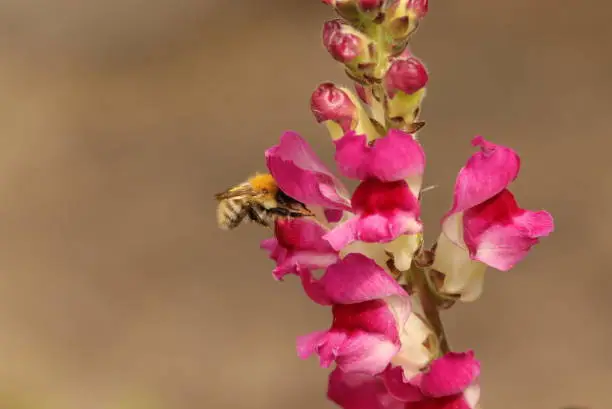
279,211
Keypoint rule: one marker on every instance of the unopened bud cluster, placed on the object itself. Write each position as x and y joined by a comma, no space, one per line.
370,38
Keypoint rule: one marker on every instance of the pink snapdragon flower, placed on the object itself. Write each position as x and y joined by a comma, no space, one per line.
372,325
450,383
384,205
298,245
395,157
301,174
485,226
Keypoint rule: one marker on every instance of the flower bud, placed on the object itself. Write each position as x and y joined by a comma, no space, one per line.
407,75
330,103
402,18
340,111
404,83
351,47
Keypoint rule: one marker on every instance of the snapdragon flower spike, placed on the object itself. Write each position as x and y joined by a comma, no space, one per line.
404,83
298,245
301,175
340,111
351,47
485,226
370,310
362,391
385,205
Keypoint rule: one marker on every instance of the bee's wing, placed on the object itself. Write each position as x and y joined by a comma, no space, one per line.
240,190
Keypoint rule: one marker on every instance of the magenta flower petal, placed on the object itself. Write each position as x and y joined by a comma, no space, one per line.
366,352
275,252
354,390
369,316
301,175
450,375
395,157
384,211
343,234
353,279
313,289
500,234
447,402
363,338
369,309
324,343
299,244
399,388
485,174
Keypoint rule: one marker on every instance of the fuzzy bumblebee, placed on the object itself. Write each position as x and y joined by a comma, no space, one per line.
259,199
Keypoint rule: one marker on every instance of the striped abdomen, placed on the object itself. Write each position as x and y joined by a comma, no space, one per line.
231,212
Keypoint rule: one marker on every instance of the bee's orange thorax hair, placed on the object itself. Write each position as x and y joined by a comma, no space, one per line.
264,182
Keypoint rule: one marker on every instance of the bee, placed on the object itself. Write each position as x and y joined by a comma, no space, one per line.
258,199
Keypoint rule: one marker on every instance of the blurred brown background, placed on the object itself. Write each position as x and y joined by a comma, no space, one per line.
120,118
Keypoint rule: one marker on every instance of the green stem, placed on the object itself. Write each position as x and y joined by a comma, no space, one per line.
430,307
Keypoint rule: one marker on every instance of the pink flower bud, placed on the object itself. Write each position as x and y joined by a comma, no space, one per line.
329,103
343,42
407,75
340,111
342,46
351,47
